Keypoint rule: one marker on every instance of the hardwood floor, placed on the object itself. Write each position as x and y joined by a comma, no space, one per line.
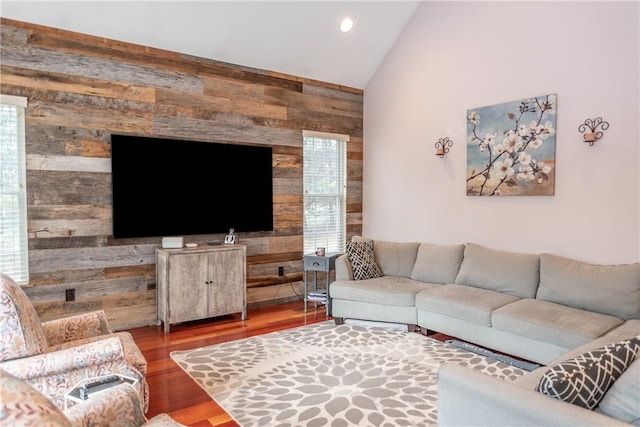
174,392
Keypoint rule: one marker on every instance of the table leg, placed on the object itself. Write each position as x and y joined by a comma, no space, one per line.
306,292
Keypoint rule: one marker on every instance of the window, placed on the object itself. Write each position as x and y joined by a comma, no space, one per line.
13,189
325,191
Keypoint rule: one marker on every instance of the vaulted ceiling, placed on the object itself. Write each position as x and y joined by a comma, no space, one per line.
300,38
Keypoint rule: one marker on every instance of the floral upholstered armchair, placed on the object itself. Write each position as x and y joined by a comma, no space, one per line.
22,405
53,356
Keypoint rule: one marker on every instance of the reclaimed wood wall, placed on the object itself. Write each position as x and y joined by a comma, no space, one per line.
82,88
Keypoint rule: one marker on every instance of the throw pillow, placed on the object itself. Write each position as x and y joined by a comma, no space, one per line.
362,259
585,379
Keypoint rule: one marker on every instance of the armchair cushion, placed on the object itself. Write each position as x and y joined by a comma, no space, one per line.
21,333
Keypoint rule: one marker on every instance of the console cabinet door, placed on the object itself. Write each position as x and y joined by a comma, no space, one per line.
188,289
226,282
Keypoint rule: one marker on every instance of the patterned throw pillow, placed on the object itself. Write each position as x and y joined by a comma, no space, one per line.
362,259
585,379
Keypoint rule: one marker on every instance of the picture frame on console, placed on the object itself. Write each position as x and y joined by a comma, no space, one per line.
230,239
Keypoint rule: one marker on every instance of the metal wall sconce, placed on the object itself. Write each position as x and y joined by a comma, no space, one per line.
442,146
593,134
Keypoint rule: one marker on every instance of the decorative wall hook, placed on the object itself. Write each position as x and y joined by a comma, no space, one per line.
593,133
442,146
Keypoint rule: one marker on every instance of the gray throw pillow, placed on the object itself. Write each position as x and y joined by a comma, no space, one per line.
362,259
584,380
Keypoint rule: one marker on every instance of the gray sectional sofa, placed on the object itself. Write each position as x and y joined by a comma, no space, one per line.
501,403
539,307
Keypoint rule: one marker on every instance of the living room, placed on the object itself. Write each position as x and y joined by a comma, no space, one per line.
451,57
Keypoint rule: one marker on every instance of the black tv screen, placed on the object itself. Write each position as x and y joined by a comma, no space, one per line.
169,187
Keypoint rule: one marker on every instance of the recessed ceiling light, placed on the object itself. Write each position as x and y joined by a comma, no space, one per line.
346,25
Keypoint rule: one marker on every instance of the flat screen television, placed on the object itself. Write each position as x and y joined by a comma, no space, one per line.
171,187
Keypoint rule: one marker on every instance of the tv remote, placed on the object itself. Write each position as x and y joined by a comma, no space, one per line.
97,385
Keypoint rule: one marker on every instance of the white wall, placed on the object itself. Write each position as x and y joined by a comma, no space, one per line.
454,56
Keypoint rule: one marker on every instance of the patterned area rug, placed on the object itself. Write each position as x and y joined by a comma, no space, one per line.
328,375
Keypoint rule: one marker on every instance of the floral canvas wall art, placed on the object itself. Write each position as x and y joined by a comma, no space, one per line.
511,148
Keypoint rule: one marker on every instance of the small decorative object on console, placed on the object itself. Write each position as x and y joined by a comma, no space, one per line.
230,239
172,242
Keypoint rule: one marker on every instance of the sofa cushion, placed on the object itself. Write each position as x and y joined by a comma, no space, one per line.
395,258
545,321
462,302
437,263
622,400
386,290
21,332
607,289
512,273
362,259
584,380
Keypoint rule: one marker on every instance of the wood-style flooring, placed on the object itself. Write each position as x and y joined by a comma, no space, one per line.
174,392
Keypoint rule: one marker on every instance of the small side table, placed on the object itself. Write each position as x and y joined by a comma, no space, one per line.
315,263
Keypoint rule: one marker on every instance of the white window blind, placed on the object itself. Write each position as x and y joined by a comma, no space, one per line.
13,190
325,191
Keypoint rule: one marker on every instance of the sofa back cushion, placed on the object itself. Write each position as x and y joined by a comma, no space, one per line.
607,289
512,273
21,332
395,258
437,263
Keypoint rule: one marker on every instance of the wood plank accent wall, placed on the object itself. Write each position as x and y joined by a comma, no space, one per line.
82,88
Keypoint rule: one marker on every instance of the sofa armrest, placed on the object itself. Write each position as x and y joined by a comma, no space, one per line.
120,405
470,398
76,327
343,268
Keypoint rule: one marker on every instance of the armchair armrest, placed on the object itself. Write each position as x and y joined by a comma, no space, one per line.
76,327
120,405
470,398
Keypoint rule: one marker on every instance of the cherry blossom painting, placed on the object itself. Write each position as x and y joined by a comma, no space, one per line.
511,148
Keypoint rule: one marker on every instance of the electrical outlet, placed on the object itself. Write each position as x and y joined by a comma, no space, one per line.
70,295
280,271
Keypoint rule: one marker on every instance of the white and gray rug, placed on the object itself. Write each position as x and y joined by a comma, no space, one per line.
328,375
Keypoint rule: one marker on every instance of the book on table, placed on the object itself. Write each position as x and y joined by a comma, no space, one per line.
317,295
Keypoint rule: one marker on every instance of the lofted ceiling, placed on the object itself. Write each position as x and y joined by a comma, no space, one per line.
301,38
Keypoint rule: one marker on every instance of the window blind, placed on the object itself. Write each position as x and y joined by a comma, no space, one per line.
324,182
13,193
